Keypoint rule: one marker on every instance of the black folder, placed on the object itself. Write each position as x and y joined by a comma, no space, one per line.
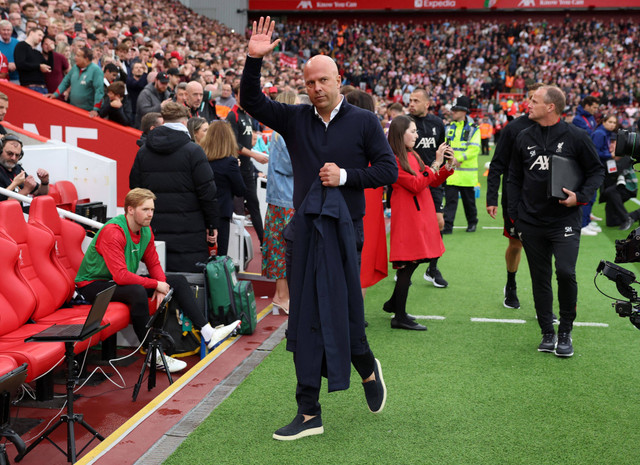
563,172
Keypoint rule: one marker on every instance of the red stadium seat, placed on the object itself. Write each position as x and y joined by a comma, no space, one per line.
7,364
68,195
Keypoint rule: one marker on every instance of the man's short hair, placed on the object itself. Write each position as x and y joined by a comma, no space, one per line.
6,23
173,112
556,96
123,47
396,106
117,88
111,68
34,29
421,90
87,52
535,86
150,120
589,100
3,96
136,197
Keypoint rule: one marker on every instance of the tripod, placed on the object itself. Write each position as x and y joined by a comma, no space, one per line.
156,346
70,418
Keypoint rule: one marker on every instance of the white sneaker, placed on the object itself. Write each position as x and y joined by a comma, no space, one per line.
586,231
594,226
173,364
220,333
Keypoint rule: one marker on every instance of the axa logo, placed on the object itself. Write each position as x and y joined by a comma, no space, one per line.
305,5
426,143
542,162
247,131
559,149
527,3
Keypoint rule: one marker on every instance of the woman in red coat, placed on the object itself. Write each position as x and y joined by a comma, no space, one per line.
415,236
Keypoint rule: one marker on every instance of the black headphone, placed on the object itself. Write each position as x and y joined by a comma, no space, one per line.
12,138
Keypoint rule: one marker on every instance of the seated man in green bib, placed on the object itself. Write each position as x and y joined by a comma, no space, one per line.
114,256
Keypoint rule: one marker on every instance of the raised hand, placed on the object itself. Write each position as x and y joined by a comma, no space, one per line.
260,43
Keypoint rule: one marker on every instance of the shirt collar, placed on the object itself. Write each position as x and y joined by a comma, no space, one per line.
334,112
177,127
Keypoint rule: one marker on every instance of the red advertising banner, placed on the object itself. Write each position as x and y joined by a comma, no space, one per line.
57,120
429,5
288,61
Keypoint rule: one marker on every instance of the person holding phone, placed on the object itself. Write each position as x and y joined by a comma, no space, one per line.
415,235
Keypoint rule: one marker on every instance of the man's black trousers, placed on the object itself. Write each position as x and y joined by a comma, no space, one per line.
541,244
135,297
251,201
468,196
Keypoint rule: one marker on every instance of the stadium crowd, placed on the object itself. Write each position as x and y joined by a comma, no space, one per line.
490,61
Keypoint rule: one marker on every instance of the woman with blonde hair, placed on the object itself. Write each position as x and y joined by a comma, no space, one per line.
197,128
220,146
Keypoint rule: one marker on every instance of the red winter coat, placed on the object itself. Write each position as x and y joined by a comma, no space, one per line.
414,227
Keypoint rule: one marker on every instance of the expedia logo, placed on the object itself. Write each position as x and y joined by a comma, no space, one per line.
305,5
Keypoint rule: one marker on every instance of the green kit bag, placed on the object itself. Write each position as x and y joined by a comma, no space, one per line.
245,305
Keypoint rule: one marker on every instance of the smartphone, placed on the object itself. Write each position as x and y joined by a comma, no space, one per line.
77,27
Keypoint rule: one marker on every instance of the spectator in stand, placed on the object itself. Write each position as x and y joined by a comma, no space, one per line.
174,80
111,74
149,122
197,105
136,81
175,168
13,177
7,47
197,127
226,98
221,148
85,81
30,63
181,94
116,106
151,97
4,107
18,30
57,62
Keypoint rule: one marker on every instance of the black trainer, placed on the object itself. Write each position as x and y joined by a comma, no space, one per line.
299,428
564,348
548,343
375,391
407,323
435,277
511,297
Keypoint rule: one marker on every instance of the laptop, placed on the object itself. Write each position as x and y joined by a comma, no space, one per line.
79,332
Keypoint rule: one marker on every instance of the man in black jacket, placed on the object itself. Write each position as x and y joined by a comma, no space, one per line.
430,137
549,227
500,167
177,171
344,148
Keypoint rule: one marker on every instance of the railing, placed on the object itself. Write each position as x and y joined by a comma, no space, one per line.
64,213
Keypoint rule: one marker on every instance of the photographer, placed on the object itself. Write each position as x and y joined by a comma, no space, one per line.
549,227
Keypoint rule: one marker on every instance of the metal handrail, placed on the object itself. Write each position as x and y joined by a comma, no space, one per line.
64,213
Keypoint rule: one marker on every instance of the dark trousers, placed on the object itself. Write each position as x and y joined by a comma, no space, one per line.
253,206
468,196
307,397
136,298
223,236
615,211
484,143
398,300
541,244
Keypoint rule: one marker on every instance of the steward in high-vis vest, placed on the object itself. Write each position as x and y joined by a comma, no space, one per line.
114,256
464,137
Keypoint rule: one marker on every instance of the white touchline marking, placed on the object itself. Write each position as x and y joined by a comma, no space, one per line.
635,200
429,317
517,321
492,227
587,323
497,320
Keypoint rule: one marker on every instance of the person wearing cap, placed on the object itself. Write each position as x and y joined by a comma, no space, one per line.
464,137
174,80
86,81
151,97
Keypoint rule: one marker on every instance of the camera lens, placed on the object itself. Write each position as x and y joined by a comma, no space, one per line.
628,144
